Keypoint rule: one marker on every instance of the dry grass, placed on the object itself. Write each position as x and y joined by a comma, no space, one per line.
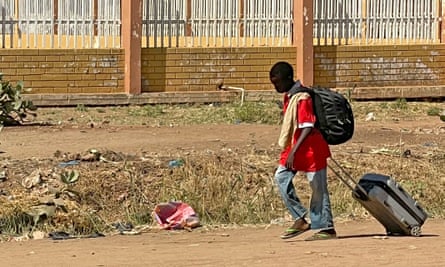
223,186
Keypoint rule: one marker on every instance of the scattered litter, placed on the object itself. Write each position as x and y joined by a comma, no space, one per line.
32,180
69,163
430,144
370,117
278,221
175,215
3,176
61,235
93,155
385,151
381,237
175,163
37,235
125,228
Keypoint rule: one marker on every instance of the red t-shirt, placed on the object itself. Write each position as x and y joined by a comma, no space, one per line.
312,154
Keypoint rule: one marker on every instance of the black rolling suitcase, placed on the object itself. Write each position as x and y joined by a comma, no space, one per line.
387,201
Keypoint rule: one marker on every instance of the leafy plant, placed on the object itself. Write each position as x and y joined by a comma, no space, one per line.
433,111
69,178
400,104
13,109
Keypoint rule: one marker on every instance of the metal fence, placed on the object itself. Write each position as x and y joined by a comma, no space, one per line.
216,23
210,23
227,23
377,21
60,23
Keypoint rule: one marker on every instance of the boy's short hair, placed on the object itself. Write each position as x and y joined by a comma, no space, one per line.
282,70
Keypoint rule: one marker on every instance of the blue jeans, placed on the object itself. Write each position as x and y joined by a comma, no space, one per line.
320,206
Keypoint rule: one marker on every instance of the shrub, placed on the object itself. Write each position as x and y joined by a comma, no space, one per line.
13,109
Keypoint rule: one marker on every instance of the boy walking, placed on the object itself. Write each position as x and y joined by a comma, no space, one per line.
303,150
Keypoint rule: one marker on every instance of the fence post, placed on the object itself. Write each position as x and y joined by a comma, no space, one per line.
442,22
131,43
303,39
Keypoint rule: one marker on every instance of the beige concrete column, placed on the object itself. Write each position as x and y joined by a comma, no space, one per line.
303,40
131,43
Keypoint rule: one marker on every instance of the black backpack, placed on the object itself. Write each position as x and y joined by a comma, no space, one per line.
335,119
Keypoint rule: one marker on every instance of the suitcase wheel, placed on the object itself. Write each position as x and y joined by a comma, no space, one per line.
416,230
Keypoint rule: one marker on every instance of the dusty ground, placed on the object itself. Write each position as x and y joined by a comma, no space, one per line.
361,243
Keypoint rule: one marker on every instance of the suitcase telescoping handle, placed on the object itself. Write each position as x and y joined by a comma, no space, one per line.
346,178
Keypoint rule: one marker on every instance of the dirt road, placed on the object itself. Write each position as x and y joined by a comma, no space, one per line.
360,243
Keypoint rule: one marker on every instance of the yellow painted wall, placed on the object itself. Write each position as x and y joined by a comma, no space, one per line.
65,71
199,69
379,66
60,71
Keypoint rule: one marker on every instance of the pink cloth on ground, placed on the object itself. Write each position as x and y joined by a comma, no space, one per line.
173,215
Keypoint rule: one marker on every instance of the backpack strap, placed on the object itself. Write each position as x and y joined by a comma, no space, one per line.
298,87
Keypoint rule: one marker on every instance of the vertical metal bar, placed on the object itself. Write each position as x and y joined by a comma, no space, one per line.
373,6
155,22
252,25
244,11
83,9
343,7
114,6
427,21
326,22
178,23
385,21
145,22
364,11
289,11
264,21
412,20
169,23
201,25
75,12
91,23
222,21
349,21
321,21
260,18
206,14
59,24
3,23
337,22
188,22
239,21
331,21
230,13
162,13
34,20
67,17
27,13
215,22
272,22
43,21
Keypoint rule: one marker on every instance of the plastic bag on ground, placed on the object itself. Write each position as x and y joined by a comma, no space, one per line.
175,215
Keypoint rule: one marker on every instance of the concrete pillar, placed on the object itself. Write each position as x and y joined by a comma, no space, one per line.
303,40
131,43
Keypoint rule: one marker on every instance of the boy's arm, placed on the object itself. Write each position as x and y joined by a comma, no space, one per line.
288,125
306,121
290,159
